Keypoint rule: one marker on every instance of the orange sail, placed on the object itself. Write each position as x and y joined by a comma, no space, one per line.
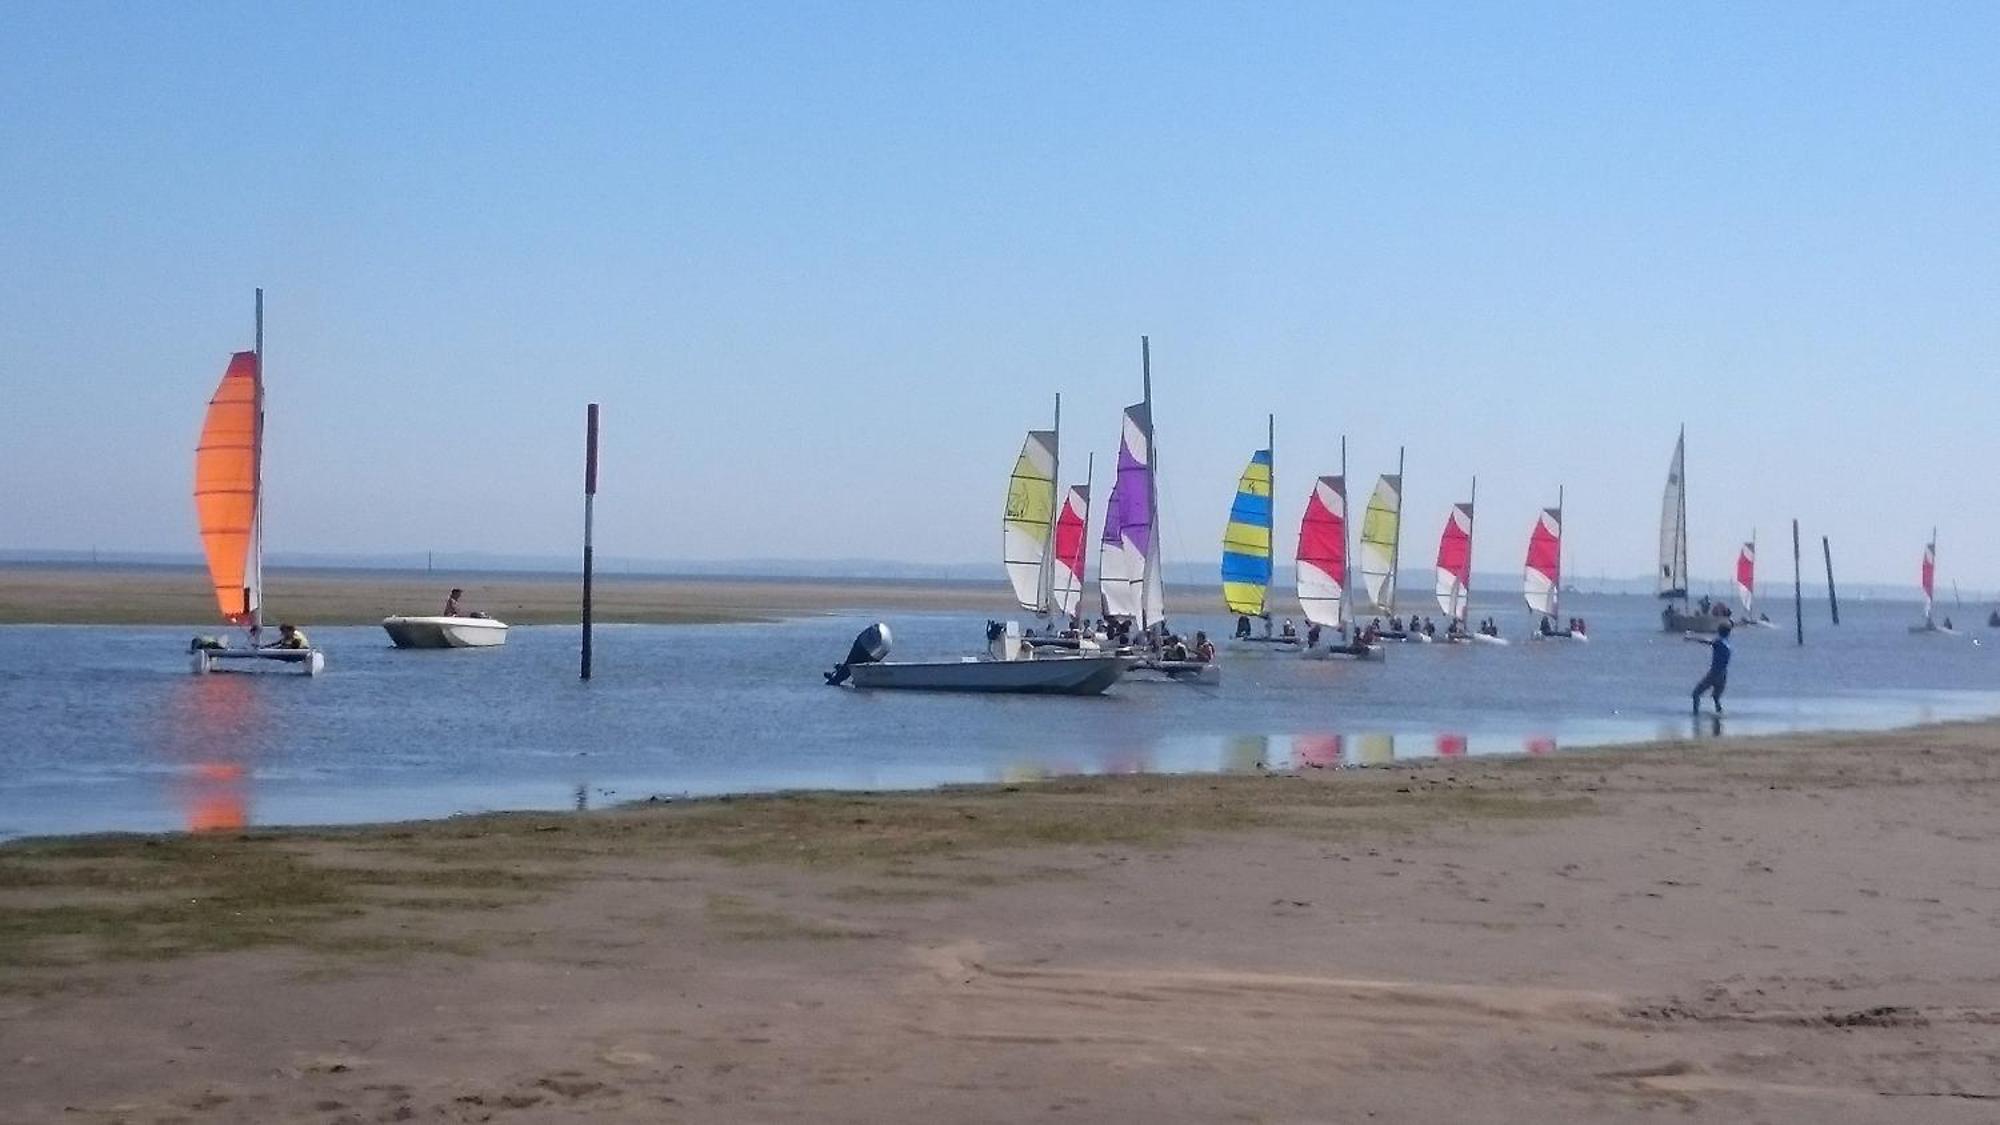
225,487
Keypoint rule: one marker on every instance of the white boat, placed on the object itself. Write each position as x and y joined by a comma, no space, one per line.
1677,616
1541,576
229,505
445,632
1322,570
1011,667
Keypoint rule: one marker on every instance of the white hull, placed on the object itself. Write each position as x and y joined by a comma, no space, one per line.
1484,639
1062,675
1375,653
1929,629
1248,645
304,661
1179,672
1539,636
445,632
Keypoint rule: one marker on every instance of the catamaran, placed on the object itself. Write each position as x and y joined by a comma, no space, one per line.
1454,567
229,505
1027,529
1322,567
1541,578
1677,616
1746,585
1928,579
1381,548
1246,548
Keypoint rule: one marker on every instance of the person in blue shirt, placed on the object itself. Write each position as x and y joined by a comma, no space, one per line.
1718,668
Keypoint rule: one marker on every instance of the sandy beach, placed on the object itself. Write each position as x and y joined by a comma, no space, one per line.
1793,929
80,595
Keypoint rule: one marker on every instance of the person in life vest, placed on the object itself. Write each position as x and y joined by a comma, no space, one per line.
1204,649
291,636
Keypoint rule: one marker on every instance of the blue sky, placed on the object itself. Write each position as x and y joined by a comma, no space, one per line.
823,263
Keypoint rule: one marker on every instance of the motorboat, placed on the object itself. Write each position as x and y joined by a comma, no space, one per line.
1010,666
445,632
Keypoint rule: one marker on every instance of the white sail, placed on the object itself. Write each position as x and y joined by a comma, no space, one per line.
1380,529
1541,578
1673,526
1029,524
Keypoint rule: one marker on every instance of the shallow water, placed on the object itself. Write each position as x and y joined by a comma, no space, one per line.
106,730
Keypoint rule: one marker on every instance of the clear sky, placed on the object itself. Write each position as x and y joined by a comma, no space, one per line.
824,263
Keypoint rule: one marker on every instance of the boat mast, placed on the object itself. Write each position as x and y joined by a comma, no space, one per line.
1153,552
1346,591
1271,547
1471,515
1562,532
1396,544
1045,593
255,595
1681,526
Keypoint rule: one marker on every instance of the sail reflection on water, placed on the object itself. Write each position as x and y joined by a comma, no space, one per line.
216,729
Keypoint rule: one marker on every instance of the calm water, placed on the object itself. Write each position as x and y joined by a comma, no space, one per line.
105,728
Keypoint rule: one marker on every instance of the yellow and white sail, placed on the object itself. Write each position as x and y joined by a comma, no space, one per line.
1028,528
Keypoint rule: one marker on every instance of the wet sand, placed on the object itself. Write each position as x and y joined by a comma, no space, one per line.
1795,929
181,596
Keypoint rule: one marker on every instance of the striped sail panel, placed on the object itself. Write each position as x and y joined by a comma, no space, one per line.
1030,519
1673,526
1746,575
1542,578
1930,577
1071,539
1123,577
225,488
1246,542
1323,552
1380,526
1454,563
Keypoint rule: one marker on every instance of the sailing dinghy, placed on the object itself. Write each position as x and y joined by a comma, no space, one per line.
1381,551
1246,552
1454,573
1541,578
229,505
1677,616
1928,579
1746,586
1322,569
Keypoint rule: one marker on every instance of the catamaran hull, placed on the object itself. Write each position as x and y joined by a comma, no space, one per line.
1266,644
445,632
1375,653
1179,672
1933,630
1067,675
304,661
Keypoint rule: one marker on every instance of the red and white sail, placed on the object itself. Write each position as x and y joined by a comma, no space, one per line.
1541,581
1072,524
1322,578
1454,562
1746,576
1930,575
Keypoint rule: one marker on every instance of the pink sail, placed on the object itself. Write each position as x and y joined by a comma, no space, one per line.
1542,582
1454,562
1746,575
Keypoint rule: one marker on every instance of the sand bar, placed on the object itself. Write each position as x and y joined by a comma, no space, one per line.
1794,929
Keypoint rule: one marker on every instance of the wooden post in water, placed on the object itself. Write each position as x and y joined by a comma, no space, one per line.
589,503
1832,599
1798,587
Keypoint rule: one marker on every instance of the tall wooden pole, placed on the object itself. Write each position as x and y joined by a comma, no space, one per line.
589,513
1798,587
1832,598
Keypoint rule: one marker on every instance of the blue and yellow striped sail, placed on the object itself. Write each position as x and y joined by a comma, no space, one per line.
1246,543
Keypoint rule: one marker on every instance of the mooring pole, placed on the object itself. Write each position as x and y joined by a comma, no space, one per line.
1832,598
589,504
1798,587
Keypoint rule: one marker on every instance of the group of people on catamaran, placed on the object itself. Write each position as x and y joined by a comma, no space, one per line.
1491,628
1576,628
1117,631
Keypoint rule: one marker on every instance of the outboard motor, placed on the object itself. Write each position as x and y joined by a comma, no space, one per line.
869,647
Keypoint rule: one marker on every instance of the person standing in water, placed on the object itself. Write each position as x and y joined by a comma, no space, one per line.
1718,668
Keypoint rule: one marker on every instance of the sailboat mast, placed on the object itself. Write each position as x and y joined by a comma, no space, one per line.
1346,591
1045,595
255,596
1152,486
1271,446
1562,532
1471,520
1681,538
1396,545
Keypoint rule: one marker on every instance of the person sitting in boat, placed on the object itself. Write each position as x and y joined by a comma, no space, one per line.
1312,635
1243,627
1372,633
1290,631
1548,627
1580,628
1176,650
1204,649
1947,623
451,606
1706,605
291,636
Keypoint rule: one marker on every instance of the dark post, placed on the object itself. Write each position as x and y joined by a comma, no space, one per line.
1832,599
1798,587
589,501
